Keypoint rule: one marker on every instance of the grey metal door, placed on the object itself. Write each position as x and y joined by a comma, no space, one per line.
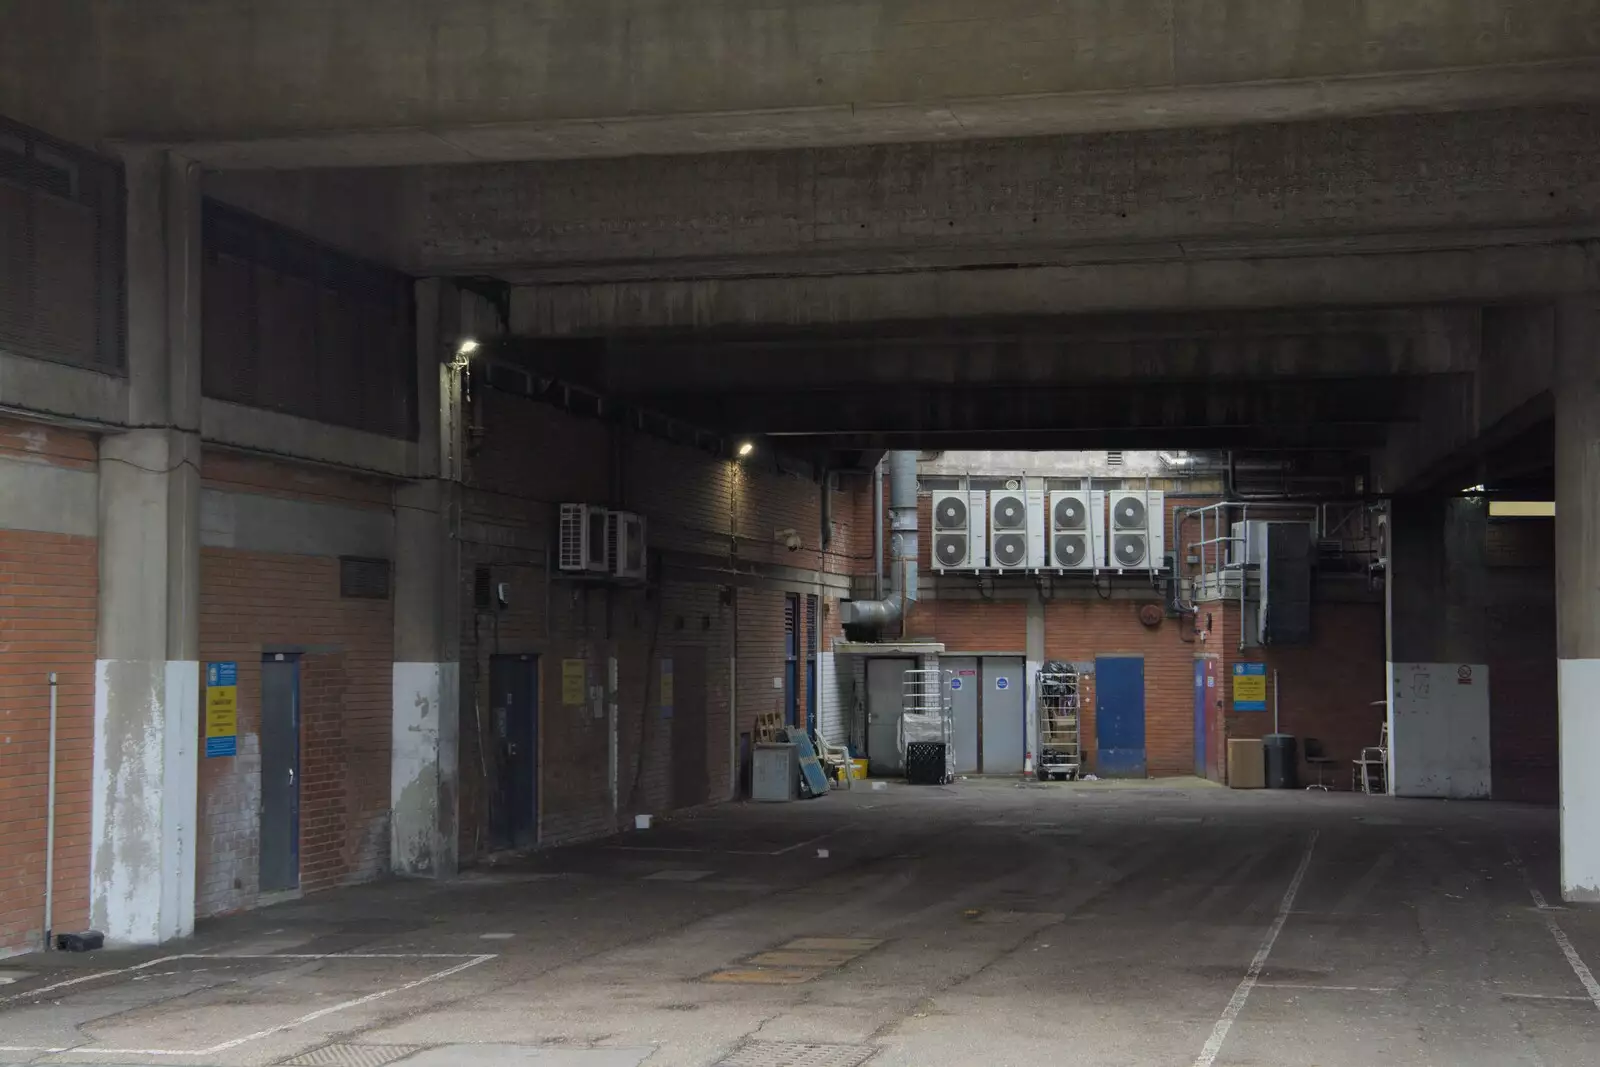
1005,734
886,691
280,773
961,674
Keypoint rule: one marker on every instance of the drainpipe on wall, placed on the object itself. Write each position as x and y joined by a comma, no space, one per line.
877,531
881,614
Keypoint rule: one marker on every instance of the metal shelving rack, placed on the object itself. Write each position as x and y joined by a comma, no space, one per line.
926,713
1057,698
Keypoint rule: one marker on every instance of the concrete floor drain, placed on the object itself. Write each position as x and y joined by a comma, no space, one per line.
342,1055
792,1054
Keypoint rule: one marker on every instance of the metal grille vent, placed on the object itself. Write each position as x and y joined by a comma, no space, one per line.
951,549
1130,549
1130,513
1071,550
1070,515
1010,550
363,579
952,514
796,1054
1009,512
482,588
347,1055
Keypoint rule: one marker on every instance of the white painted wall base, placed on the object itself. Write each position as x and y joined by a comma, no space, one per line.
143,811
1439,730
1578,688
423,771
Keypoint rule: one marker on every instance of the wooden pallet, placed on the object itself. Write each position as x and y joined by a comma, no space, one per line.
768,724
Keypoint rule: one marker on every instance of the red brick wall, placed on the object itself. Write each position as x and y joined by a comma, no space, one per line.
711,516
47,623
48,596
972,625
1082,629
1328,686
252,601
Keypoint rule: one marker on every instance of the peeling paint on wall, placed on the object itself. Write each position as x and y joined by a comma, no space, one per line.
143,813
423,779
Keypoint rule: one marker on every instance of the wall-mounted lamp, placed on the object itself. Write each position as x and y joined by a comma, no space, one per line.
464,351
745,448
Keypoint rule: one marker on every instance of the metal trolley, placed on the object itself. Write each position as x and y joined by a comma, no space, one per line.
1057,699
925,718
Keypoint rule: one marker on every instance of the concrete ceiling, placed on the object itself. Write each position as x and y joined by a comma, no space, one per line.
294,83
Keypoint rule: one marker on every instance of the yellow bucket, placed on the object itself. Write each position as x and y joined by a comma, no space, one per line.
858,769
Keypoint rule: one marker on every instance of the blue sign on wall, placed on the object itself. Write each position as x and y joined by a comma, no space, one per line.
955,683
1249,687
1002,683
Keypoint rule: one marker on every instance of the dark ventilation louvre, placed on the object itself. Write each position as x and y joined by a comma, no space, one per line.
1286,581
61,263
482,588
306,330
363,579
1113,459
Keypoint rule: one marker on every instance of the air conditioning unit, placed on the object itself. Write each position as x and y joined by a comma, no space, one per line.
959,528
1138,519
625,556
1077,530
1038,545
581,539
1008,529
1016,528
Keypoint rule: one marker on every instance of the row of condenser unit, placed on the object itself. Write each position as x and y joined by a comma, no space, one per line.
1058,530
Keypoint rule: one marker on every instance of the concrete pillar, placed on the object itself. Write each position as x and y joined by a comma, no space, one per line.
1578,594
147,672
427,698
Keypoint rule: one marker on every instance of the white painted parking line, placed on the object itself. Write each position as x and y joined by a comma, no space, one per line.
1546,996
1579,968
1219,1032
89,978
468,961
1310,987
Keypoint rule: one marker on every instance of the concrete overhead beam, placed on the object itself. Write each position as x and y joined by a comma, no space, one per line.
1327,280
1172,348
281,83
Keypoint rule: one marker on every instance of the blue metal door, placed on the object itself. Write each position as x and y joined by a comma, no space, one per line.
1119,716
1200,718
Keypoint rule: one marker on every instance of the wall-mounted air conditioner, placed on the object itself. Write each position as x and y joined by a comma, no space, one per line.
1137,529
1008,529
959,527
625,547
1077,530
1038,544
581,539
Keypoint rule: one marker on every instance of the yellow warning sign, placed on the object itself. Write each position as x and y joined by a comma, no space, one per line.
574,682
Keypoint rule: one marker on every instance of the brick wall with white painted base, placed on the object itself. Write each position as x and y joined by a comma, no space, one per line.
48,594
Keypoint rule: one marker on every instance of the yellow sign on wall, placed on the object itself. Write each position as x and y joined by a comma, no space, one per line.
222,709
574,682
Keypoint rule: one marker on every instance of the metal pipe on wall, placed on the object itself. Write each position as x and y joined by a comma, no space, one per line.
877,531
883,612
50,824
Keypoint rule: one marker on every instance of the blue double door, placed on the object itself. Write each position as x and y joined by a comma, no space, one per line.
1119,716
